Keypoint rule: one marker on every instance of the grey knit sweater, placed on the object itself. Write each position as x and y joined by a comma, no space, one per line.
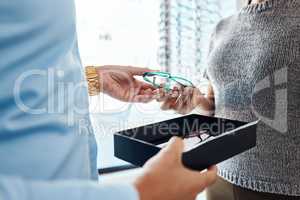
254,67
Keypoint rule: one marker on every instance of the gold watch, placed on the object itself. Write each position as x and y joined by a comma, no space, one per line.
93,80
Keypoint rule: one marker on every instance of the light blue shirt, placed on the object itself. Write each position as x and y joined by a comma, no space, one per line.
47,147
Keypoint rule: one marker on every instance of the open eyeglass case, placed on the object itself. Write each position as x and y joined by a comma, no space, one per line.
220,139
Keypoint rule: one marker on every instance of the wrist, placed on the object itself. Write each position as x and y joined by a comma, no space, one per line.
145,188
102,74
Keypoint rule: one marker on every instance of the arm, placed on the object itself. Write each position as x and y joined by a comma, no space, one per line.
149,186
119,82
15,188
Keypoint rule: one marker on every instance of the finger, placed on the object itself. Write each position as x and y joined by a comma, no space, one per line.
179,103
210,175
183,104
204,179
161,95
170,155
156,95
213,168
174,149
146,86
188,101
142,98
188,92
169,101
148,91
138,71
180,88
192,101
167,105
143,86
185,109
175,93
142,92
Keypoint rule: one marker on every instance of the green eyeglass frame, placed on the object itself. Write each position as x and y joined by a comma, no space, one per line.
167,86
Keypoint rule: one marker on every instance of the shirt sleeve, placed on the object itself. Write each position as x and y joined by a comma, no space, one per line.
14,188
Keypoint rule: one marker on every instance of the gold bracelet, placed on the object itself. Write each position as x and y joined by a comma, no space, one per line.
93,80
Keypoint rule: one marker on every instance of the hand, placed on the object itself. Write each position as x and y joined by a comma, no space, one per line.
119,82
182,100
165,177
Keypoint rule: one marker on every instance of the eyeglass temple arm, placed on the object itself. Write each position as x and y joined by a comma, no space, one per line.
177,77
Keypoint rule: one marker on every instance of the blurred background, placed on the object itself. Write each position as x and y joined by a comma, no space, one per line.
168,35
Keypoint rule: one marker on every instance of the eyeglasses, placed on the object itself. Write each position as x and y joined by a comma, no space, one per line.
192,140
166,80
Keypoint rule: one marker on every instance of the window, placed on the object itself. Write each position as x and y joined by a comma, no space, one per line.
168,33
185,27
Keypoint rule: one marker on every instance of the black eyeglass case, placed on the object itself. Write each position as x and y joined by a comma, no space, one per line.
229,138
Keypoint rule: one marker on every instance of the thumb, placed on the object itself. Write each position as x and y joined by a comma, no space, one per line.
174,148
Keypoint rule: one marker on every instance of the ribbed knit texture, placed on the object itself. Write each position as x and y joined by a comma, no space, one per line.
254,67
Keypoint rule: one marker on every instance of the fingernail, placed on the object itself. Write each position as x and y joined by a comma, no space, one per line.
172,140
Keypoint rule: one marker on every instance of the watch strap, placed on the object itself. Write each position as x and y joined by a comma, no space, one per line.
93,80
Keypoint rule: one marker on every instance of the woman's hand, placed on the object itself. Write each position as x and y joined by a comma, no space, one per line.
185,99
119,82
182,100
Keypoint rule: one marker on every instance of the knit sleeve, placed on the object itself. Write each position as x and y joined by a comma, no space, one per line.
205,75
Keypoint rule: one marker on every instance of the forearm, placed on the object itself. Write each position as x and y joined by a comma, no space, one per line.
14,188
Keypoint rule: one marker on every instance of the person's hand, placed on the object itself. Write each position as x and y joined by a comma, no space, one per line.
181,99
119,82
165,177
